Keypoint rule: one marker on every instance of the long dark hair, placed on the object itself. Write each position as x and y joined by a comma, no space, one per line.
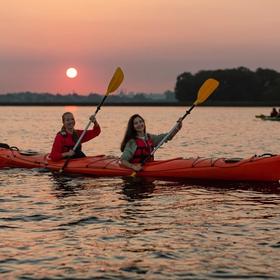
130,132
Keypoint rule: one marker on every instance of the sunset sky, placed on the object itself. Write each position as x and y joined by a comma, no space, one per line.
153,41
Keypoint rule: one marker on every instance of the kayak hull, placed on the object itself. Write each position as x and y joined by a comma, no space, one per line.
257,169
268,118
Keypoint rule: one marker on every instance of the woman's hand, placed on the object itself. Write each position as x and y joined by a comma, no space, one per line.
179,124
136,167
68,154
93,119
176,129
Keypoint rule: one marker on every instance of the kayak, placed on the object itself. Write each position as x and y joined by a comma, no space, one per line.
265,168
267,118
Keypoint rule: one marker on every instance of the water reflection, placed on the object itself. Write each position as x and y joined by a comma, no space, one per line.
65,186
261,187
137,189
81,227
264,187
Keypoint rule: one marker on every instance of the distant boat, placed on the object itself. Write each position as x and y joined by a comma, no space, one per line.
268,118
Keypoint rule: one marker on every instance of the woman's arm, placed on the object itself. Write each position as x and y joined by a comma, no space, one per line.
90,134
134,166
157,138
127,156
57,148
177,129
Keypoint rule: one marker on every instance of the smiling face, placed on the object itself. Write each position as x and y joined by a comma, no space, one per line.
68,121
139,126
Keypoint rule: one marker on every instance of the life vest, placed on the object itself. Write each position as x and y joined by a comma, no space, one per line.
75,138
143,150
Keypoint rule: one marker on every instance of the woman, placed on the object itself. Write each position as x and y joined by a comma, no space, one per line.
67,137
137,145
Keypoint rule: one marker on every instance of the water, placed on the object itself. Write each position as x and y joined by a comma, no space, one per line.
85,228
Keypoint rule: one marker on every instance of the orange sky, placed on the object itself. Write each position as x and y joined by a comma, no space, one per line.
153,41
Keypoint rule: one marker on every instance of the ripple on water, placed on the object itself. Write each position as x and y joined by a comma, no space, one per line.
84,228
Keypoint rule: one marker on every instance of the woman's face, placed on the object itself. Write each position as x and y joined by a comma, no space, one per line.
69,122
139,125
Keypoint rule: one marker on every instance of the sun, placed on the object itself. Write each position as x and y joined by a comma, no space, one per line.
71,72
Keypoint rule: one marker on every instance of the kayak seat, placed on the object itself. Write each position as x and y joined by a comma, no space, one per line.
24,153
28,153
266,155
233,160
4,146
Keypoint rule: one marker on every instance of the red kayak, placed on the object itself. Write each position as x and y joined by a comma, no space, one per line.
265,168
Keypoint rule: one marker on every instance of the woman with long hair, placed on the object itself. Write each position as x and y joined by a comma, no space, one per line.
137,145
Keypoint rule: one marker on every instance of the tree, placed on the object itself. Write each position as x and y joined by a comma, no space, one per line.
237,85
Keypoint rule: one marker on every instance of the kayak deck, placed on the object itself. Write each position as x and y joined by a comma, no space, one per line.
264,168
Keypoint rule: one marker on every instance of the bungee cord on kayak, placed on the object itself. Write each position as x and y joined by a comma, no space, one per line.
264,168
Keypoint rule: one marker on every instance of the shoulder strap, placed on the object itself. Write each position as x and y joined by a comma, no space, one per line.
62,133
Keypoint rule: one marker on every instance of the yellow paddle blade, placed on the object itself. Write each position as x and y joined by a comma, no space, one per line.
115,81
206,90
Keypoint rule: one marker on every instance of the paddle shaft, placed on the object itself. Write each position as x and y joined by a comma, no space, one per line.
166,137
86,128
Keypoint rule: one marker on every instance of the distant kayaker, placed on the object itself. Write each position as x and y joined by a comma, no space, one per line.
137,145
67,137
274,113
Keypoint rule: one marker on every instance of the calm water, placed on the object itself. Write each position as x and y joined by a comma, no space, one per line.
85,228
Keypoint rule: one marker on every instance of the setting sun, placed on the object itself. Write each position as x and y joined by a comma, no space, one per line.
71,72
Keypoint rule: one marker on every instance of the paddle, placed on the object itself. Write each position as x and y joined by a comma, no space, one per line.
113,85
204,92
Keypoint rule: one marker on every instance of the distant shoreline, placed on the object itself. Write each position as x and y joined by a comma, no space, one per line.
143,104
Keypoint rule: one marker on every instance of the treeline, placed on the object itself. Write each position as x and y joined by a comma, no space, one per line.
238,86
31,98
